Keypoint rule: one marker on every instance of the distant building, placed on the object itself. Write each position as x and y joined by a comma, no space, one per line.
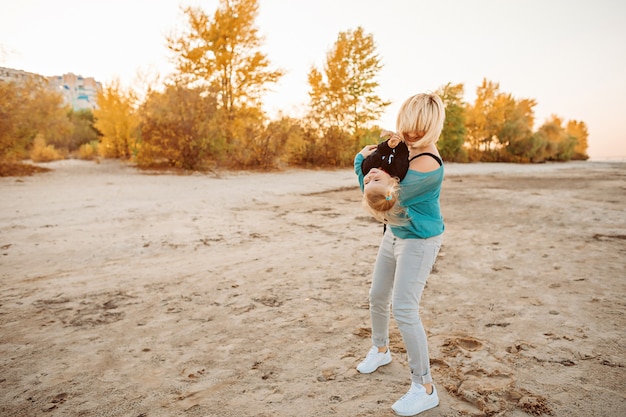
78,92
13,75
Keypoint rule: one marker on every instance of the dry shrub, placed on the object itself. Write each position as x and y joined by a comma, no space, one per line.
107,148
42,152
88,151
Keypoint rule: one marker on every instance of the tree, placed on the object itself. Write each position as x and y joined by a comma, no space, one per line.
83,130
280,138
223,53
578,130
295,146
45,114
175,128
559,145
499,127
517,128
9,118
117,121
344,95
452,137
28,110
484,117
537,146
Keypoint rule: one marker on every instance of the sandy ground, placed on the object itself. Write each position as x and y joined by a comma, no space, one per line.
129,294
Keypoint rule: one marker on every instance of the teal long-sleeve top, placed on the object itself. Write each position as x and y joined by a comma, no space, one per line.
419,195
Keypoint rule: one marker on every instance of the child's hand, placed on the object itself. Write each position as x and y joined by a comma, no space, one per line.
394,141
394,138
367,150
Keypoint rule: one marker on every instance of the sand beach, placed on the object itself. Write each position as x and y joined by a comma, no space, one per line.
130,293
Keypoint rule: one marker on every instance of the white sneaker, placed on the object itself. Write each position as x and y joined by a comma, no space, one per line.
415,401
374,360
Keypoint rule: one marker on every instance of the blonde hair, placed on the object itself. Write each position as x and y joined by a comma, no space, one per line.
384,205
425,113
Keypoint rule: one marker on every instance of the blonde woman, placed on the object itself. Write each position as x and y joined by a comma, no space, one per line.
408,249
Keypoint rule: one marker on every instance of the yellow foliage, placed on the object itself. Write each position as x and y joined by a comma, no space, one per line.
578,130
107,147
88,151
118,121
42,152
344,95
223,53
27,109
175,129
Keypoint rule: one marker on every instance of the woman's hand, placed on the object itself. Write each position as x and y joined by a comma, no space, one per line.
367,150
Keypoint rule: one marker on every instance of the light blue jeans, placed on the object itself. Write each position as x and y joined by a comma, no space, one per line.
400,272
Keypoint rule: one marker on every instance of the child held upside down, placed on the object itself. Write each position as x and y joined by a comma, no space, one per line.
380,192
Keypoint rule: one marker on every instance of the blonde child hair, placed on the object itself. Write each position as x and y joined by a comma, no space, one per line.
423,113
382,203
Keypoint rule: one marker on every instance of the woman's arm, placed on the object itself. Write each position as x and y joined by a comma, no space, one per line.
358,161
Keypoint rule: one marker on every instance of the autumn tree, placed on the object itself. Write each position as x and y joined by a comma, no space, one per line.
452,137
499,127
578,130
28,110
223,54
175,128
344,94
117,120
277,142
559,145
515,132
83,130
484,117
295,145
45,114
9,118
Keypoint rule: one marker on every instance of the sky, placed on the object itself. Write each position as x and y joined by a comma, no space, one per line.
569,56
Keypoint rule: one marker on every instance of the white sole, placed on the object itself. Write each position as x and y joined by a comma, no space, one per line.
375,369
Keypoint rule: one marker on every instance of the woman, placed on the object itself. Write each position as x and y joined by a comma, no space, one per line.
408,250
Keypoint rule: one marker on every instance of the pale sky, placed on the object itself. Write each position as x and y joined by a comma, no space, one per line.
567,55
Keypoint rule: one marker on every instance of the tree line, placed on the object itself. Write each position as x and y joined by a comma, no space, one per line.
208,113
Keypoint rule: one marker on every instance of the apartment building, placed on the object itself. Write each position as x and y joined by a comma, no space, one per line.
78,92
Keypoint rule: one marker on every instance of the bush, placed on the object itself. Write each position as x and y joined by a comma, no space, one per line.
88,151
42,152
175,129
83,131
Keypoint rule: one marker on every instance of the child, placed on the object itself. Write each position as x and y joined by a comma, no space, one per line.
392,156
383,170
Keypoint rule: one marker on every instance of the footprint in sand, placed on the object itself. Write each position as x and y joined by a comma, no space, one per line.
468,370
